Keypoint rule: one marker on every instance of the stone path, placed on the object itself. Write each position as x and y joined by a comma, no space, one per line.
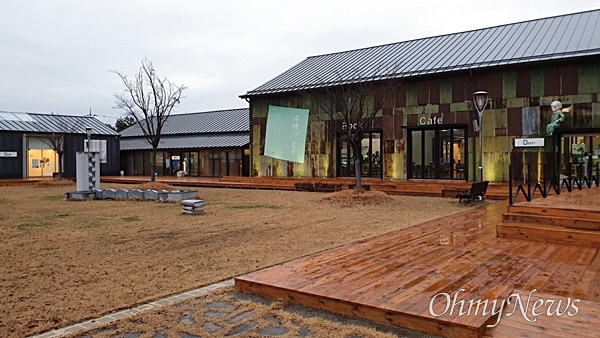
219,311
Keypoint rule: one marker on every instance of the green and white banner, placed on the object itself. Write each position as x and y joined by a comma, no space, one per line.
286,133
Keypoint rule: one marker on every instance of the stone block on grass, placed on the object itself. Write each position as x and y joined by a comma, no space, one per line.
150,194
121,194
109,194
136,194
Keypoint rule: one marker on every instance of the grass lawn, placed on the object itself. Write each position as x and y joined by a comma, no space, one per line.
65,261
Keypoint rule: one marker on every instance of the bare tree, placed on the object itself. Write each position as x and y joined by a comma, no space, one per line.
149,99
354,106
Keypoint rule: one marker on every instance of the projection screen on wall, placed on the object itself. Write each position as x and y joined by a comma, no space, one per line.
286,133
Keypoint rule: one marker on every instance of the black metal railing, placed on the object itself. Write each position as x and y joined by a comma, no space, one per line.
531,179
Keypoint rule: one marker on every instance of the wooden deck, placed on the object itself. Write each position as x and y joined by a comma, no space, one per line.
445,188
392,278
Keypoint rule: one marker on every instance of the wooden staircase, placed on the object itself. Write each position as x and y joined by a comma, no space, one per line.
552,224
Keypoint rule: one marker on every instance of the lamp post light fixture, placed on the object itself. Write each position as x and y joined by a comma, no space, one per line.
480,99
88,132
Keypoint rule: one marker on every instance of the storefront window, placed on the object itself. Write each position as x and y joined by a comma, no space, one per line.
371,153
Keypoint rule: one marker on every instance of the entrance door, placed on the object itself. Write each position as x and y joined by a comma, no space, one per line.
580,155
437,153
371,153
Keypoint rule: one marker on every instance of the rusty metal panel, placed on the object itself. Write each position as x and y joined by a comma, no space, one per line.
388,126
460,86
491,82
434,91
524,83
398,122
582,115
401,95
546,115
423,92
388,147
412,120
531,121
570,80
515,121
378,122
552,81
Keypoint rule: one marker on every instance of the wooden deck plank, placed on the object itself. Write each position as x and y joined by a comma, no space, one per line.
391,278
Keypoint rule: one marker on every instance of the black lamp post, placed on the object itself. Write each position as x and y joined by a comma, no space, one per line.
480,100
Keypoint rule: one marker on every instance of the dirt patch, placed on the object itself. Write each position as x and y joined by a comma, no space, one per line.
65,261
155,186
360,196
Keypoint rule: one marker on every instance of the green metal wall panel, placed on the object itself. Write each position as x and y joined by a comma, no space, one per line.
411,94
589,78
537,82
509,85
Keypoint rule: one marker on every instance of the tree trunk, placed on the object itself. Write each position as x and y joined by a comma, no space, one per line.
153,165
357,165
60,159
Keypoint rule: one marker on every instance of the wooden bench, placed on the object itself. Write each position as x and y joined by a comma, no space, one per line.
477,191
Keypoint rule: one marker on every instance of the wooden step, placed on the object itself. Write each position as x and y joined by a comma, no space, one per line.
568,222
558,211
549,233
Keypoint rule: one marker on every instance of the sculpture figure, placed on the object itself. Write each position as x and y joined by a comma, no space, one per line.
557,116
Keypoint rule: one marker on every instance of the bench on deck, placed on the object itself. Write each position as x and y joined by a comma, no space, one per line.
477,191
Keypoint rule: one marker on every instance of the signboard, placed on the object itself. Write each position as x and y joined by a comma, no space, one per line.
175,158
529,142
8,153
285,138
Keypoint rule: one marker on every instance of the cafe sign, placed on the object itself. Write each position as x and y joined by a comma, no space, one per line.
529,142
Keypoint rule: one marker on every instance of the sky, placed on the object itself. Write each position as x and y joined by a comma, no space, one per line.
57,56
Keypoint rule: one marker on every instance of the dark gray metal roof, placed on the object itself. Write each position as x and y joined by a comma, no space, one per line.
226,140
221,121
46,123
553,38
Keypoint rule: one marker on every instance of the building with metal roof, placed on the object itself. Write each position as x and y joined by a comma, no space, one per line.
548,39
27,148
213,143
428,128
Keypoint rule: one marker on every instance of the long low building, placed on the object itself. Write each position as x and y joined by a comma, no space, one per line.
210,144
29,144
428,128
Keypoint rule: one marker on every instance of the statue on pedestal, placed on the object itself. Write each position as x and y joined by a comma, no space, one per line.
557,116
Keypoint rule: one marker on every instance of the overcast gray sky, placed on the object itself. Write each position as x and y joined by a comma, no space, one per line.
55,56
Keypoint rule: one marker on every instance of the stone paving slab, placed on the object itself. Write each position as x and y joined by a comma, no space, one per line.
218,310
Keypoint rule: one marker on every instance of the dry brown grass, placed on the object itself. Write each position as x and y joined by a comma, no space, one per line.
65,261
154,186
55,182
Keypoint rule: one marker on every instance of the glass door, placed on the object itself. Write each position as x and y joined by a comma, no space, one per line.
436,153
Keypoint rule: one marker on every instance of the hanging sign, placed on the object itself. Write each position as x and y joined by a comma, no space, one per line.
529,142
8,154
